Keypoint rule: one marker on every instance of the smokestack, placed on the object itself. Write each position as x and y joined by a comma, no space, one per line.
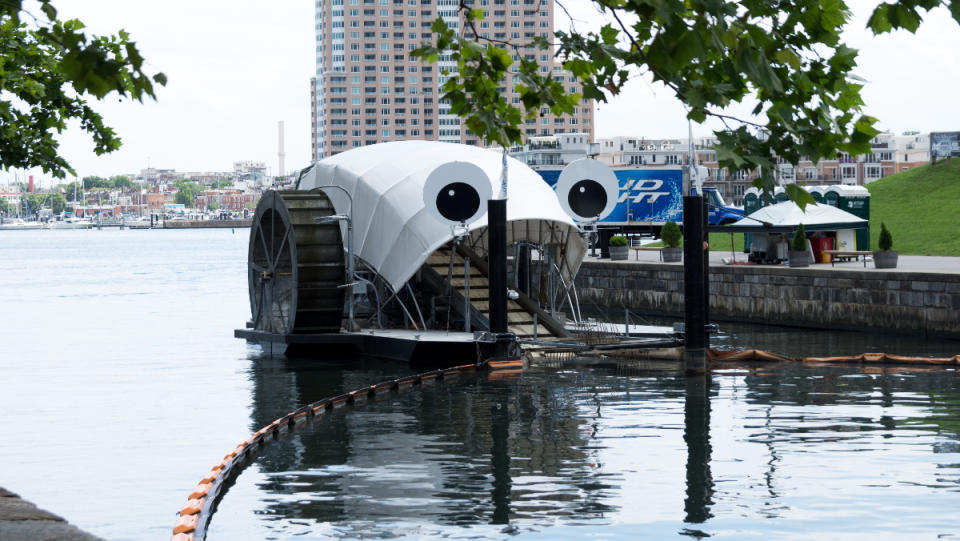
280,153
31,183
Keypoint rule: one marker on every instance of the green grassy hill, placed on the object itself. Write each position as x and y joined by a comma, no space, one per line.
921,208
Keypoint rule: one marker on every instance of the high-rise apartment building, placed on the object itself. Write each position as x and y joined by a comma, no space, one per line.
368,90
313,118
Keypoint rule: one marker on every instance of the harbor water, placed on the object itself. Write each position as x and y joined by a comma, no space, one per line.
121,384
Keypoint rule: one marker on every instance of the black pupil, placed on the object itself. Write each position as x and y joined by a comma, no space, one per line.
587,198
458,201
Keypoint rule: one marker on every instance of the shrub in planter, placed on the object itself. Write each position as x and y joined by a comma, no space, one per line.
618,247
885,258
670,233
798,249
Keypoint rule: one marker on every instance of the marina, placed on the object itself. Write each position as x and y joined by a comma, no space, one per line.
121,223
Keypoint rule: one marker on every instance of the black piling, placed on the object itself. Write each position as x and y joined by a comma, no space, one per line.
706,273
497,263
506,342
695,302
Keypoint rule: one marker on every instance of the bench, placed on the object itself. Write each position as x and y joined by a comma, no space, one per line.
638,249
847,255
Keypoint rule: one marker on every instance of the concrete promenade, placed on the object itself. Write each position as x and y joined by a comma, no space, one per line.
22,520
905,264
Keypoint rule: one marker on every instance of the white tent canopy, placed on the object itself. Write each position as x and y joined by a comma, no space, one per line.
393,231
816,217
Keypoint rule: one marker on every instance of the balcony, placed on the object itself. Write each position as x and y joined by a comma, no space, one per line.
545,160
542,145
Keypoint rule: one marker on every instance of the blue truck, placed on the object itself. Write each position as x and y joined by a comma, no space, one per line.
649,198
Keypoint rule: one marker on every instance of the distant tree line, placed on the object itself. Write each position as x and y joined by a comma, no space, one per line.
115,182
188,190
31,203
73,190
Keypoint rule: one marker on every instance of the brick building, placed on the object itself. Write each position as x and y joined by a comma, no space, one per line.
234,200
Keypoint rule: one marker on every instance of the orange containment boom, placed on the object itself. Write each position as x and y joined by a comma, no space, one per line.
506,364
869,358
885,358
747,355
195,514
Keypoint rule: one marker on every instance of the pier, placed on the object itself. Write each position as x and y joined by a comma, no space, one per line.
204,224
921,296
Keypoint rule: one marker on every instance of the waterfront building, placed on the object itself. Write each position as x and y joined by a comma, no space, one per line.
152,175
245,167
156,200
624,151
11,194
558,149
889,154
369,90
234,200
912,150
94,211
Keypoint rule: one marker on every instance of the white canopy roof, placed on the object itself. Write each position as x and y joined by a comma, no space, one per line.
817,216
394,233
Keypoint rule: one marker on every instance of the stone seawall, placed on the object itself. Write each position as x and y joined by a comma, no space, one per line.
20,519
923,303
205,224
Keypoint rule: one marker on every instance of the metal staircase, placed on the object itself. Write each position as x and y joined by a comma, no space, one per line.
520,312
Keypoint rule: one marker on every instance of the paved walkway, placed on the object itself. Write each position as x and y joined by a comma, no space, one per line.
22,520
906,263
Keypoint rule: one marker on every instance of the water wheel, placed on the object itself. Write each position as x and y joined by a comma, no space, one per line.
296,265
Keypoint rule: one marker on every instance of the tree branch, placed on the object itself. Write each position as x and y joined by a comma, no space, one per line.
476,35
637,47
567,12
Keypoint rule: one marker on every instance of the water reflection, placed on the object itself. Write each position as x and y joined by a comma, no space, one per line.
758,449
500,460
696,434
485,450
798,343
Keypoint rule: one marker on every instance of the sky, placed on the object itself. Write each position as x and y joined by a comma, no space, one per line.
237,68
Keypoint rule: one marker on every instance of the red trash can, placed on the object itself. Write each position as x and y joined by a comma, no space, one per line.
819,244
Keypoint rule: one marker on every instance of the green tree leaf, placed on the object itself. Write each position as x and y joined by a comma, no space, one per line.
48,71
799,196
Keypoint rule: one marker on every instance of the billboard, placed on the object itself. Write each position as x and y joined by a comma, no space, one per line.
944,144
646,195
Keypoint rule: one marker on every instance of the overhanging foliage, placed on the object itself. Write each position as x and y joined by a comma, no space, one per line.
786,55
49,68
